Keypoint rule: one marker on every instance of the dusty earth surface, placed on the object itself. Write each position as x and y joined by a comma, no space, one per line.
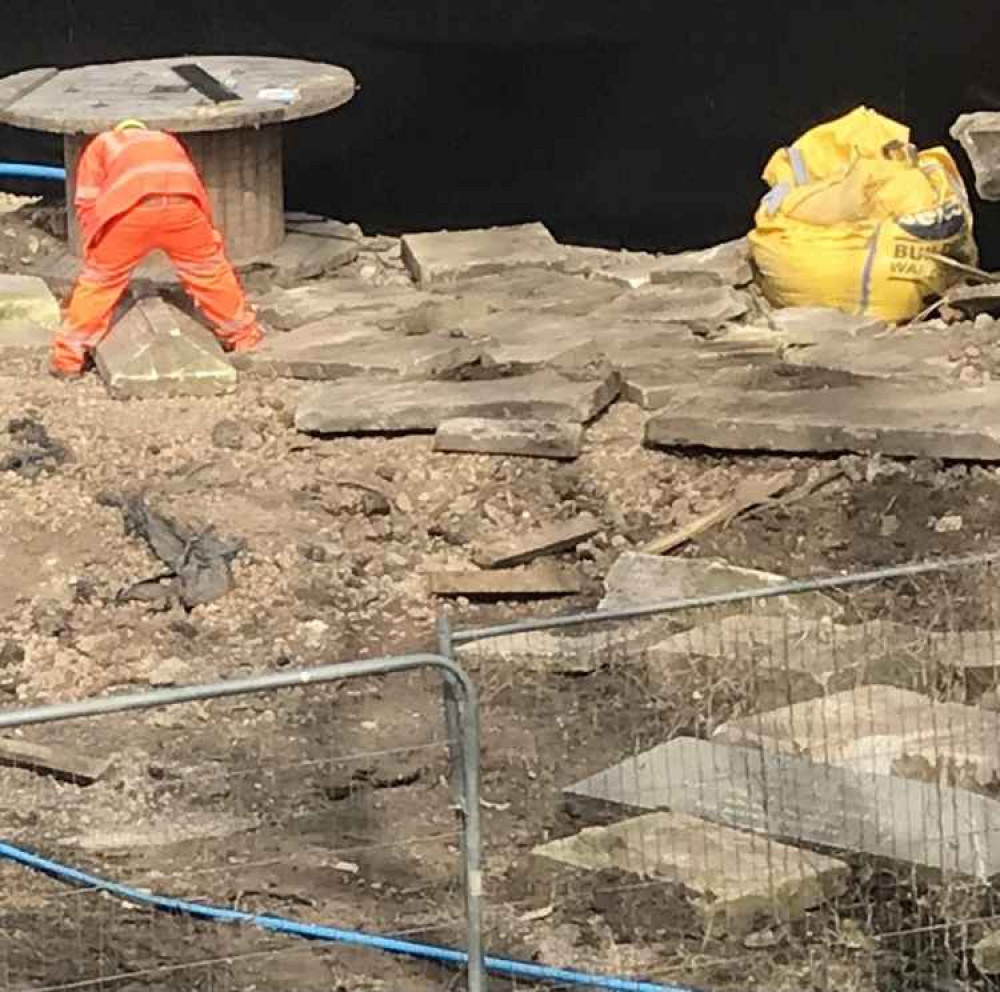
333,806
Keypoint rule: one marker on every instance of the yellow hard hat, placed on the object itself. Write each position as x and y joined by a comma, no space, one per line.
130,125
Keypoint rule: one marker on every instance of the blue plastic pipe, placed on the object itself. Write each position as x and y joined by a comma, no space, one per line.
507,967
18,171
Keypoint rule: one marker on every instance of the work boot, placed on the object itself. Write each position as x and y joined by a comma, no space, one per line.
249,340
65,375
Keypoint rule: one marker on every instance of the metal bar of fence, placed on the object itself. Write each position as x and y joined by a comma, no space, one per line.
791,588
465,717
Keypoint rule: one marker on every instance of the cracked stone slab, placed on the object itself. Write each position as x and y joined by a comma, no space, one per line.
814,325
795,800
287,309
527,438
156,350
727,264
882,730
364,405
893,419
629,269
713,306
443,256
339,348
741,882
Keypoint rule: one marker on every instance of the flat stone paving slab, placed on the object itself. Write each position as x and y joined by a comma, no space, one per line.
549,539
882,730
26,300
288,309
364,405
629,269
539,579
898,420
338,348
714,305
448,255
742,882
727,264
155,350
795,800
527,438
640,580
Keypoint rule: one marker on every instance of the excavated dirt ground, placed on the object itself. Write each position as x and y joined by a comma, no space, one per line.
333,806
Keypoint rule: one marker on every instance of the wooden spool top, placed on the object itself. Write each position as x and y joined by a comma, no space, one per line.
94,98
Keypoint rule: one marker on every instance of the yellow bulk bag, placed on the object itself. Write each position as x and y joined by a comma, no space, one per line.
853,212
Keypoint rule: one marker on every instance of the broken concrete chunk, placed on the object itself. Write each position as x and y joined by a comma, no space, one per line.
727,264
898,420
448,255
156,350
304,256
814,325
544,651
979,136
882,730
548,540
529,438
383,306
974,300
986,954
641,580
337,348
357,406
741,882
796,800
543,579
26,300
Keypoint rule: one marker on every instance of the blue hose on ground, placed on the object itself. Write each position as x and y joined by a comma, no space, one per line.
505,967
18,171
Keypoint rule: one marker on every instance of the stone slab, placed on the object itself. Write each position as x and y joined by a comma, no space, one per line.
713,306
26,300
155,350
541,579
974,300
385,306
741,882
795,800
338,348
790,659
979,136
64,763
357,406
537,291
900,354
813,325
545,651
892,419
22,340
550,539
526,438
629,269
727,264
441,256
303,256
640,580
882,730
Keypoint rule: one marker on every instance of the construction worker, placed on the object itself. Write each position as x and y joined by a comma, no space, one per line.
136,191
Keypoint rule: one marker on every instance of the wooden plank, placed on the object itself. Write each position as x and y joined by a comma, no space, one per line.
538,580
60,762
547,540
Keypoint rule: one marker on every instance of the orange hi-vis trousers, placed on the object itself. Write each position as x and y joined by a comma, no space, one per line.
179,227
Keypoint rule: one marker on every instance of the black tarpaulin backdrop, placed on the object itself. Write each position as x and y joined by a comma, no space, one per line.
635,122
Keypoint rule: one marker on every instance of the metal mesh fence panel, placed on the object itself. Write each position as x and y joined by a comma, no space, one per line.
326,805
786,793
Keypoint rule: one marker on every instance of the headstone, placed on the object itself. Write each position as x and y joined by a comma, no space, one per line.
979,136
155,350
357,406
884,731
640,580
448,255
797,801
892,419
727,264
528,438
741,882
337,348
542,579
552,538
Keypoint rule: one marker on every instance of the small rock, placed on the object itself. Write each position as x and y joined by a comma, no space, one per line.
375,505
170,671
950,524
229,434
404,504
11,653
983,321
890,525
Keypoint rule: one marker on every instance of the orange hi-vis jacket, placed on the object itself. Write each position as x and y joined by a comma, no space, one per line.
119,169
